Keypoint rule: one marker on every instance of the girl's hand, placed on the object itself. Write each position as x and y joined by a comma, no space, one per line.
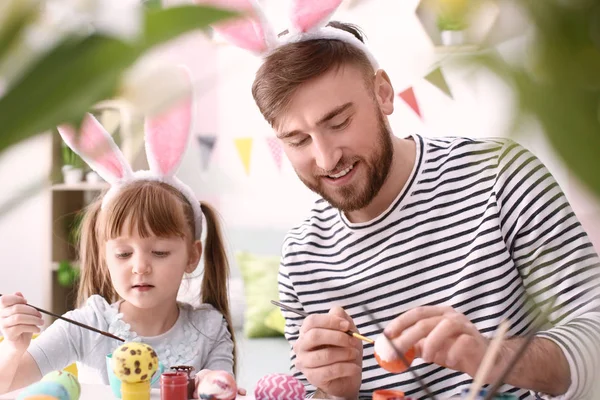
18,321
200,375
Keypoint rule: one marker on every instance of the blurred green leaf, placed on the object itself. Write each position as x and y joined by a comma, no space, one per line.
168,23
152,3
77,74
62,87
560,82
17,15
66,275
571,123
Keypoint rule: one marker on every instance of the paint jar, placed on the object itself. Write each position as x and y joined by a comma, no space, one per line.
174,386
189,371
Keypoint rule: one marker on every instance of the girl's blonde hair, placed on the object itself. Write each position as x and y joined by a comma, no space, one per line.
153,208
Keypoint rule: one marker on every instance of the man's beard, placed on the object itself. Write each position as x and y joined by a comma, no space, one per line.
359,194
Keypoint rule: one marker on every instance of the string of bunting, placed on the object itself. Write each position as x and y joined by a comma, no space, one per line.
436,78
243,146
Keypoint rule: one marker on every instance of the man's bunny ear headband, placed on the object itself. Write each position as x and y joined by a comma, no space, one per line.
166,137
308,21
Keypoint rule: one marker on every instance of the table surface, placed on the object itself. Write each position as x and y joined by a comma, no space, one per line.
103,392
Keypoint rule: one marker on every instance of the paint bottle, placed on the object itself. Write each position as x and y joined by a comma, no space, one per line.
174,386
189,370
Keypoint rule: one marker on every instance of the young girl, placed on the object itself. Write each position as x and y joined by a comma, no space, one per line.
137,243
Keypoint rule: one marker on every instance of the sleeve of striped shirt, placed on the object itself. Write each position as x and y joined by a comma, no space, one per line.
555,258
287,295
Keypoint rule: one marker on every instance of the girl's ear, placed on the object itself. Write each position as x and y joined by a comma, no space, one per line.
195,256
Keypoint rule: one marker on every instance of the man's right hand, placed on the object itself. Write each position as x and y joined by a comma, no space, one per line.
329,358
18,321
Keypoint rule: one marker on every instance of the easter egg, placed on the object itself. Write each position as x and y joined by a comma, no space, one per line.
388,395
217,385
279,387
386,356
40,397
67,380
51,389
134,362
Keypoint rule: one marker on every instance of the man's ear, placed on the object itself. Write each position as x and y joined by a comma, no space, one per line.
384,92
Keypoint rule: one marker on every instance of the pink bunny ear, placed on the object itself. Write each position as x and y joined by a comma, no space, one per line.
167,135
246,31
97,148
307,14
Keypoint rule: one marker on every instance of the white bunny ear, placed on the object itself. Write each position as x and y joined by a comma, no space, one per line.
97,148
309,14
167,134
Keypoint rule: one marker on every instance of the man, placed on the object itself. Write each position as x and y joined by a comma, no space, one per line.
441,238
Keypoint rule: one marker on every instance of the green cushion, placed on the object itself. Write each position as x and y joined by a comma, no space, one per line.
259,273
276,321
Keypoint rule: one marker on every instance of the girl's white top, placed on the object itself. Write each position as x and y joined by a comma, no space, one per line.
199,338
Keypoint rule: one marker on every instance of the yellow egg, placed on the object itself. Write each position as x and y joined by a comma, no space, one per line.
134,362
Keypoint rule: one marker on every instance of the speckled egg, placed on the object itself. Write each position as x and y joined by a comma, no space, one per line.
49,389
68,380
134,362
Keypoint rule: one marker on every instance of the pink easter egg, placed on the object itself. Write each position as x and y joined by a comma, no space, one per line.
279,387
217,385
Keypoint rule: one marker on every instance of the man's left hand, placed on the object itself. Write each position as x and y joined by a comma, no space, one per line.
443,336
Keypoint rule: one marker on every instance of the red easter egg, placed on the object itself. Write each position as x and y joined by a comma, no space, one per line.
388,395
396,366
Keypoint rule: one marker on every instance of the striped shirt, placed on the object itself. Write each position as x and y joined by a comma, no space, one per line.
482,226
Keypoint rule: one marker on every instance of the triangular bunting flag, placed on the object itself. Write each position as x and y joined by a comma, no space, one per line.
436,78
276,150
207,145
244,148
409,97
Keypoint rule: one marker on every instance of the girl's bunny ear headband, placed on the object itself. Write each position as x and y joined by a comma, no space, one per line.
166,137
308,21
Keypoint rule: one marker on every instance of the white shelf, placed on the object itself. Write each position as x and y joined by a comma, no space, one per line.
81,187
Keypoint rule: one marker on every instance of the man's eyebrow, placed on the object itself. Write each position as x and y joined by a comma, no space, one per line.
289,134
331,114
335,112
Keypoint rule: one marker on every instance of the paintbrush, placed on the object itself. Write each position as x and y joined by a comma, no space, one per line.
488,360
401,356
520,351
304,314
110,335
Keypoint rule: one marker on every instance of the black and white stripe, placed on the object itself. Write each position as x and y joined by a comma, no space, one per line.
481,226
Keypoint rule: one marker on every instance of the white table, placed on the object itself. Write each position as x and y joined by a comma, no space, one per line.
103,392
